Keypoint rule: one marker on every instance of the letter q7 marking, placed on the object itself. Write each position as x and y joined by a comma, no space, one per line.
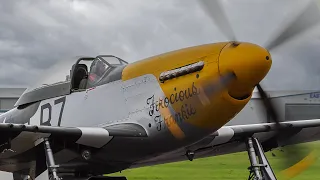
49,107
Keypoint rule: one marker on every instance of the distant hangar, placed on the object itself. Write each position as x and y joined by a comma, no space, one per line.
8,97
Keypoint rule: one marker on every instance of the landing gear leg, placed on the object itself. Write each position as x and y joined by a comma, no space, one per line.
260,168
50,160
46,168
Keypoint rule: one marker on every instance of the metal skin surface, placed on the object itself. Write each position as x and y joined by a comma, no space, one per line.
172,114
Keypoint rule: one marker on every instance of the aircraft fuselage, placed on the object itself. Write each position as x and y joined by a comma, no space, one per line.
174,113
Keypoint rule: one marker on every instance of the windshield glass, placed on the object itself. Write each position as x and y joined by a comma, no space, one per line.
97,70
112,60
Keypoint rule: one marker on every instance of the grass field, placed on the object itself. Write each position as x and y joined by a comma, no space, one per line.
233,166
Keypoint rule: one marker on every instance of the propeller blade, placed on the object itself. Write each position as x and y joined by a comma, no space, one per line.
215,11
302,162
293,158
211,89
268,105
305,20
203,99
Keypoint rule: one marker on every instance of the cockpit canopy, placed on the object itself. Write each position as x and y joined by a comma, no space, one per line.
68,76
101,71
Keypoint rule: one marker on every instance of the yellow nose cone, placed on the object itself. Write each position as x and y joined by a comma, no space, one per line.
249,62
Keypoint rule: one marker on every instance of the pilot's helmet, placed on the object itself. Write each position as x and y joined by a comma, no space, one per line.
99,68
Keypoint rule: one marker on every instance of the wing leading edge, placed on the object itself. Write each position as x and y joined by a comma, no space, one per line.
231,139
89,136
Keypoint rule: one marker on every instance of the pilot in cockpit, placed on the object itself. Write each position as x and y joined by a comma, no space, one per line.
96,72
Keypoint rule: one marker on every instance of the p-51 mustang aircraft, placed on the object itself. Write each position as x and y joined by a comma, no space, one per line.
102,115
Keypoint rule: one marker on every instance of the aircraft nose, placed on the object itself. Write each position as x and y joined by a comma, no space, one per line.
249,62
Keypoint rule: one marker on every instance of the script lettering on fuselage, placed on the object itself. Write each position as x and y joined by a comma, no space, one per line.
184,113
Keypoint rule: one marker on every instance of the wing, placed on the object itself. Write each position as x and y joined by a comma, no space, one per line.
231,139
18,142
89,136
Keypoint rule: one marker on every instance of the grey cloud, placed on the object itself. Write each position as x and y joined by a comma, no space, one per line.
296,68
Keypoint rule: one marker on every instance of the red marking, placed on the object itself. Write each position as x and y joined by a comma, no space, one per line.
91,88
92,77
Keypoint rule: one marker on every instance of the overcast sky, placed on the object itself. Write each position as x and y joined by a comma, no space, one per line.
36,34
